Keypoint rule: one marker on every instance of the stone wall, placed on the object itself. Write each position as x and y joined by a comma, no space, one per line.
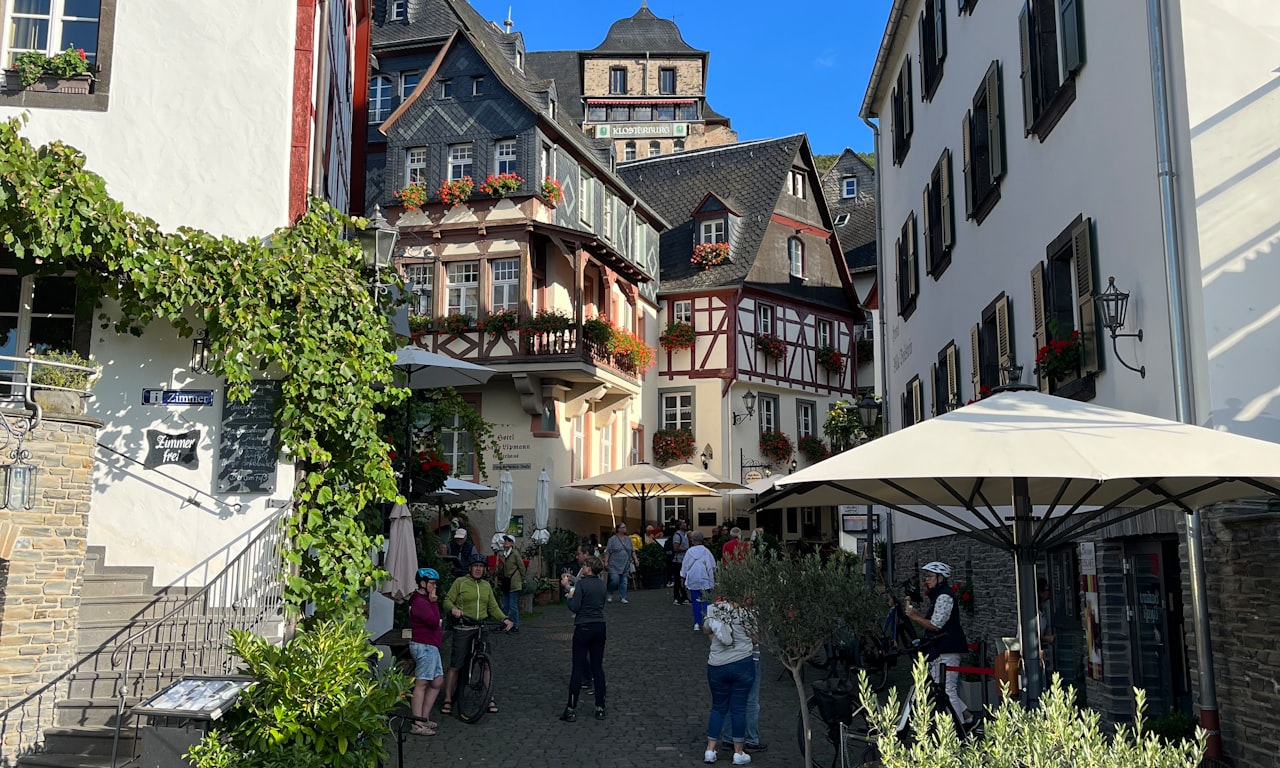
40,584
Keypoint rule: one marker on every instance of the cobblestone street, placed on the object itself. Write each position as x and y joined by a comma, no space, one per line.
658,700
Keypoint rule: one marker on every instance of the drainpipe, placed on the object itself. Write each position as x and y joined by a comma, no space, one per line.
884,347
1182,384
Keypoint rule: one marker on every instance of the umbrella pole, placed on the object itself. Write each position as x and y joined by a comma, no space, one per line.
1024,567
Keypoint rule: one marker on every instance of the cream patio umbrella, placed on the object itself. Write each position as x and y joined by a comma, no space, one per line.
402,555
502,508
642,482
1024,471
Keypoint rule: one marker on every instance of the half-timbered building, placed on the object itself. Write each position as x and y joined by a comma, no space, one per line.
751,264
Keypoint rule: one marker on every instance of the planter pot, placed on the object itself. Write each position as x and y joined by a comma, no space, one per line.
652,580
54,401
544,597
50,83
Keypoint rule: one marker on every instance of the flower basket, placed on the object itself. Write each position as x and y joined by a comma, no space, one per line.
773,347
546,321
597,331
672,446
813,449
413,196
678,335
419,325
501,185
831,360
708,255
551,191
499,323
457,324
630,352
456,192
866,352
1059,358
32,65
776,447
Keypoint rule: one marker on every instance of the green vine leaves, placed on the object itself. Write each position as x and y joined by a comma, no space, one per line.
296,304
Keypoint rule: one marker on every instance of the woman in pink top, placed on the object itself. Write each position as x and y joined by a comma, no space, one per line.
424,624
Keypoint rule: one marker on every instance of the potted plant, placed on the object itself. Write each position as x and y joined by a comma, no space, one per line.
830,359
708,255
776,446
37,71
456,324
771,346
501,185
500,323
551,191
545,590
547,321
866,352
597,331
629,352
679,335
813,449
61,389
653,566
673,445
456,192
413,196
419,325
1059,358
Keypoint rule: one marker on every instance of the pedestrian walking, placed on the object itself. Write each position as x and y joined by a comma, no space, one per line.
511,576
619,557
698,571
679,546
730,675
586,601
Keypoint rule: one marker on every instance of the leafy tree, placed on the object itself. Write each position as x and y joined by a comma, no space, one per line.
867,157
798,605
1054,734
824,162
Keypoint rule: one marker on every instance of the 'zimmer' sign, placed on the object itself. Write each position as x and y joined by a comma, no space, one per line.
164,448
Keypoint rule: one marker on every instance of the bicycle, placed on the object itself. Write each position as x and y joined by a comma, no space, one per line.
873,652
475,676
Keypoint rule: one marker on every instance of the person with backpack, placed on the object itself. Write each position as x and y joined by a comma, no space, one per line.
679,546
698,570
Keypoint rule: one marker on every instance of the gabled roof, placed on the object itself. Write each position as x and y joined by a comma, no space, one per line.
644,32
714,203
857,235
753,175
563,68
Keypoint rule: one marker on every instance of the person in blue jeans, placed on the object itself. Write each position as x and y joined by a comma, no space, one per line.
753,713
619,556
731,672
699,573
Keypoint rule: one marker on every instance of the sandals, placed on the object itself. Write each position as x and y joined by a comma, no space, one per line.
422,729
446,708
493,707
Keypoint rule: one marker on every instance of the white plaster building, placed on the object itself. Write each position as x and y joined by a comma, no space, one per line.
1021,165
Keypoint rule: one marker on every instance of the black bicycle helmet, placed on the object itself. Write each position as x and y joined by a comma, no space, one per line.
478,558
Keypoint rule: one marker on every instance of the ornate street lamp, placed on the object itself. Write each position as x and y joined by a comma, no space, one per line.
748,402
1114,304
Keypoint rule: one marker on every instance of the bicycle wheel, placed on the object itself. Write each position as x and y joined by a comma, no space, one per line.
873,660
859,750
472,700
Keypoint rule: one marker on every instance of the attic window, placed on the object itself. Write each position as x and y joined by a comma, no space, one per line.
477,86
849,186
842,219
795,183
395,11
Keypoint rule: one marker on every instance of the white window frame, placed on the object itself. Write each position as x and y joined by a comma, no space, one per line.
458,448
408,81
446,88
586,197
849,187
629,151
842,219
379,98
796,184
415,165
805,418
505,281
54,20
606,447
504,156
462,280
677,145
606,223
579,447
795,256
420,282
677,410
682,311
26,313
396,9
764,318
655,148
823,333
461,160
477,85
713,231
767,407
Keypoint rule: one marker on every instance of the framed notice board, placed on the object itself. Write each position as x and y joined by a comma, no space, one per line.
247,454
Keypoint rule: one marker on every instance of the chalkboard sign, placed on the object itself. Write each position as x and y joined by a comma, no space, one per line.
247,455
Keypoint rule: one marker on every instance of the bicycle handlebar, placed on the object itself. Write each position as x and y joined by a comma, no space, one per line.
467,621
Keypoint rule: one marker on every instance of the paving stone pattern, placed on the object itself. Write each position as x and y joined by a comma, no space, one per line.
658,700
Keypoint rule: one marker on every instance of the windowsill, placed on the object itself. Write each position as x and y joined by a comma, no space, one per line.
1064,98
987,202
941,266
1083,388
89,95
908,308
931,83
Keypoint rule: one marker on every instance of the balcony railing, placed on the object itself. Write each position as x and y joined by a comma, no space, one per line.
520,345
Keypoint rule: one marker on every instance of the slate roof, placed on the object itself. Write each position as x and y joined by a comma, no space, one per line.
857,236
563,68
752,175
642,33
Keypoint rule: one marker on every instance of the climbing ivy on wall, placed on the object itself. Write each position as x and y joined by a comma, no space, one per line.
296,304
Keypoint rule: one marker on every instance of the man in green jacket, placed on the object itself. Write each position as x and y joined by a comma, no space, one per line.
471,596
511,577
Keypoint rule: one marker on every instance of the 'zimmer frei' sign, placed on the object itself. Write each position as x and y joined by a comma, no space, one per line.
165,448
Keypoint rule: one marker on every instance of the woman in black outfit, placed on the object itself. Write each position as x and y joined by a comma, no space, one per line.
586,601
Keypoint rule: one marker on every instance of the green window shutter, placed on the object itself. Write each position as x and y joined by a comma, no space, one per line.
901,274
908,101
995,121
1082,256
948,217
1028,78
1037,314
966,142
917,399
939,404
1072,35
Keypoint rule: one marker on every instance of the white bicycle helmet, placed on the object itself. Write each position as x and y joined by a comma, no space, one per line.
942,569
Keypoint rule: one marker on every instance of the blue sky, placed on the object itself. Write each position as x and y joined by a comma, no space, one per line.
776,68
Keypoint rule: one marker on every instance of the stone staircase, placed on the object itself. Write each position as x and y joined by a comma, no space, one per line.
135,638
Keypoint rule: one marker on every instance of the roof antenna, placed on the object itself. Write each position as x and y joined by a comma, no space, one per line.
508,24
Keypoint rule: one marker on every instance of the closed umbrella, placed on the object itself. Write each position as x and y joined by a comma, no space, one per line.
502,507
1024,472
402,555
542,509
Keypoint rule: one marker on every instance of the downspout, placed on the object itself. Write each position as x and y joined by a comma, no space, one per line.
1173,258
880,334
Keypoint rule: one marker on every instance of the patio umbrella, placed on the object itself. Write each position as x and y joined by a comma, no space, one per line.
429,370
642,482
502,507
402,555
1056,468
458,491
542,509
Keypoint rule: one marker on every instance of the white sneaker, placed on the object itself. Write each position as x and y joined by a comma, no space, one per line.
741,758
610,599
697,628
625,601
709,756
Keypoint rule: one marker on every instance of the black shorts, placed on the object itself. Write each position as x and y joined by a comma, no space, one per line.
461,646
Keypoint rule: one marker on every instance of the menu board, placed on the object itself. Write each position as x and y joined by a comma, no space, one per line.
247,455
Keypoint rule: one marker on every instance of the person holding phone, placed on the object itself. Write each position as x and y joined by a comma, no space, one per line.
424,645
586,601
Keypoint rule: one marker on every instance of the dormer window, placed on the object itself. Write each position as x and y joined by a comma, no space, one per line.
849,187
842,219
477,86
395,11
712,231
795,255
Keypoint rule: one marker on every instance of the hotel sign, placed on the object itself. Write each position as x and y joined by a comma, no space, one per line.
642,130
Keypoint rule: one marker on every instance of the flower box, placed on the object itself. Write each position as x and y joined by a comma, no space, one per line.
773,347
501,185
82,83
776,446
831,360
671,446
457,192
551,191
678,336
708,255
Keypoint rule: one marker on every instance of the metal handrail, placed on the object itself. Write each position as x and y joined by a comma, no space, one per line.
191,639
